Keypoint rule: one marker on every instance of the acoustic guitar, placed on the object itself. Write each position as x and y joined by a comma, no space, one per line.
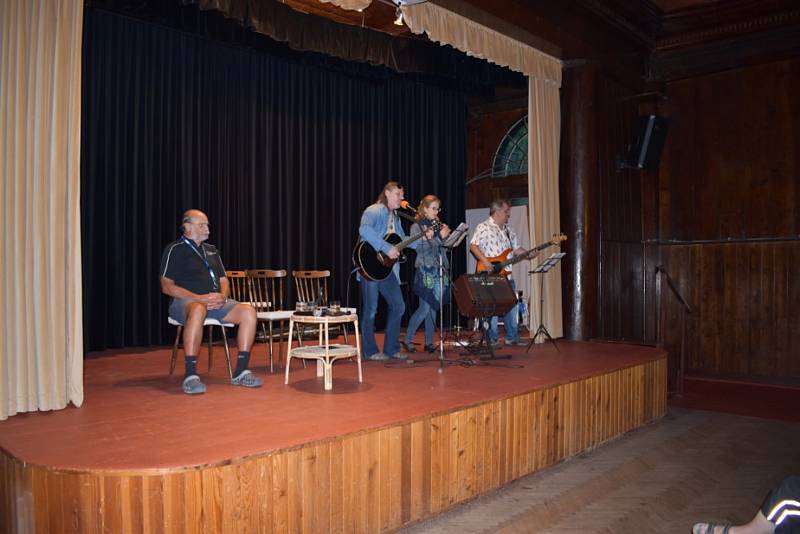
501,261
376,266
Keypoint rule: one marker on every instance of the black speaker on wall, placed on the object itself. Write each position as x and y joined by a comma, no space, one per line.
644,152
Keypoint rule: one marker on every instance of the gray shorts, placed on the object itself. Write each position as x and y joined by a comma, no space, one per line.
177,310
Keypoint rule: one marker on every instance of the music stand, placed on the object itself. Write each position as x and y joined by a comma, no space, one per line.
453,240
542,269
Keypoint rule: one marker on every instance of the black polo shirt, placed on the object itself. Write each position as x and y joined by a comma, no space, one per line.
181,262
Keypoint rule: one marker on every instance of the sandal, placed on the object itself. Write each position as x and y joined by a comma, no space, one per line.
193,386
709,528
247,379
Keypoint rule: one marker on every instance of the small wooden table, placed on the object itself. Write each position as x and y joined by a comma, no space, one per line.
324,352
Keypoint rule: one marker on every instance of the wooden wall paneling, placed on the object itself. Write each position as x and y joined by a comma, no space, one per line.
623,277
317,475
173,495
420,459
781,310
707,272
393,438
351,505
623,281
482,455
743,295
736,305
406,487
280,491
793,297
437,470
371,450
761,330
730,166
264,492
560,422
537,427
466,453
42,511
669,314
384,472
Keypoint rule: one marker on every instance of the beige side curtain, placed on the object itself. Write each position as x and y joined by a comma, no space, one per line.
544,128
353,5
544,132
41,344
446,27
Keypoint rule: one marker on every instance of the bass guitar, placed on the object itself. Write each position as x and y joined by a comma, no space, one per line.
376,266
501,261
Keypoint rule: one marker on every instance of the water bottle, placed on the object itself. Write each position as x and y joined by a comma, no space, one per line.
521,307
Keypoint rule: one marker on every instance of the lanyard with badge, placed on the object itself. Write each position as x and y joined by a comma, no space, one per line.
205,261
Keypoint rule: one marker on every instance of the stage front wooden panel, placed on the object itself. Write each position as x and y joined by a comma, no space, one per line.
369,481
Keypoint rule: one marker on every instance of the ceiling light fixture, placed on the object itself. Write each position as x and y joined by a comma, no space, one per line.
399,20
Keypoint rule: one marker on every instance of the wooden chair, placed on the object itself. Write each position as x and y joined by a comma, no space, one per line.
210,323
311,285
239,286
266,290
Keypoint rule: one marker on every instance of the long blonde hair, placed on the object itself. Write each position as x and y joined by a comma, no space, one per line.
382,197
426,202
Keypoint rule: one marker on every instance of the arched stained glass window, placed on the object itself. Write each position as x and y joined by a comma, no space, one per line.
512,154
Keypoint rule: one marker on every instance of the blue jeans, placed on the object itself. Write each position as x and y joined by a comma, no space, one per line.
390,289
423,313
509,323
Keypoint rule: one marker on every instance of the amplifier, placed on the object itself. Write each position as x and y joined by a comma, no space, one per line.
480,295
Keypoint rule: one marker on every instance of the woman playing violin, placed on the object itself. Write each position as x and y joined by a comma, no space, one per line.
428,283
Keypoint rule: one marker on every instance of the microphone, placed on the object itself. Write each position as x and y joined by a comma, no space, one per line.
405,206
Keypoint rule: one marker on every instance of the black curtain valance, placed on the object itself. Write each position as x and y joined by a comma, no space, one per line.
274,27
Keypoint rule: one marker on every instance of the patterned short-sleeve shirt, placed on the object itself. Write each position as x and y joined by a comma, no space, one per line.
493,240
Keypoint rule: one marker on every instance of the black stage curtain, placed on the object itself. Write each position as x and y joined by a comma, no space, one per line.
283,155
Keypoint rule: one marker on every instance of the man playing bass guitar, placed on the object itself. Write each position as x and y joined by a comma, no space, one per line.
491,238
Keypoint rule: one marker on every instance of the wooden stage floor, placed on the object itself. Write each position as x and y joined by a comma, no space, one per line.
136,425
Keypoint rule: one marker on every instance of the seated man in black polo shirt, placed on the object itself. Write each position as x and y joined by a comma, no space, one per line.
193,275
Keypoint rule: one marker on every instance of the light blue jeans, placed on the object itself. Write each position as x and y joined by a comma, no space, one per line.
509,323
424,313
390,290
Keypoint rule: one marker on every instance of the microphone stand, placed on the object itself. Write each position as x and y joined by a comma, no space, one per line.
441,309
403,215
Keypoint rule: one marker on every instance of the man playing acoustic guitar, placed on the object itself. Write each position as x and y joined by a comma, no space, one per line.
378,221
494,240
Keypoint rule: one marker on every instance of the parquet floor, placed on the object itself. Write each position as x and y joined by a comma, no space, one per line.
690,466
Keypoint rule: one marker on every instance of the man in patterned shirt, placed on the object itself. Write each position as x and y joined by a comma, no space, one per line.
491,238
